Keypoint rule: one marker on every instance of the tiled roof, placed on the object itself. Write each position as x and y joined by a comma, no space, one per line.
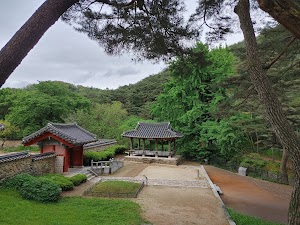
71,133
41,156
99,143
14,156
153,130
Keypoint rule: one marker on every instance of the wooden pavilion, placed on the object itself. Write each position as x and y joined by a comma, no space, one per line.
158,135
65,140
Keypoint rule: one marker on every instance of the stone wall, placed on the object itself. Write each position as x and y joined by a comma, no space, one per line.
42,166
11,168
27,164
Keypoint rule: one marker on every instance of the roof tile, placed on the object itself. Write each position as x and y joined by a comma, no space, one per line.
72,133
153,130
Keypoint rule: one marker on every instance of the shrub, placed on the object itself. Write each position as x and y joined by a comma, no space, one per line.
34,188
78,179
17,181
63,182
102,155
119,149
253,160
40,190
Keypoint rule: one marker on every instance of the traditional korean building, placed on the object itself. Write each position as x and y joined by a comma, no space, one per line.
152,139
65,140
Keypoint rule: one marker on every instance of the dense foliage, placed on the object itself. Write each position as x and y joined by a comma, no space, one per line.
106,154
63,182
34,188
190,101
78,179
107,113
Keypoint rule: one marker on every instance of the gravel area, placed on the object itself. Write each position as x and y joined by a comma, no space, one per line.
176,195
162,205
280,190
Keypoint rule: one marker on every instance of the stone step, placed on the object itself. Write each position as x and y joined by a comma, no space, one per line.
89,175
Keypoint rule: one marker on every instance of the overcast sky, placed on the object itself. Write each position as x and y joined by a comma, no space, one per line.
66,55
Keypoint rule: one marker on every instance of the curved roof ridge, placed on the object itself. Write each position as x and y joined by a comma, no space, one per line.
153,130
61,132
71,132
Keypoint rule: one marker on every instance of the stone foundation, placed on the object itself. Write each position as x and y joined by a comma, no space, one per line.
176,160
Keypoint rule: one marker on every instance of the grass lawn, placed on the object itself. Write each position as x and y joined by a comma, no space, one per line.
72,211
115,186
242,219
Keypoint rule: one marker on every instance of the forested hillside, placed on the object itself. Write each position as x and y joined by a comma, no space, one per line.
107,112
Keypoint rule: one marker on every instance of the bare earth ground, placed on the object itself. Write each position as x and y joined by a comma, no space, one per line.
251,196
169,205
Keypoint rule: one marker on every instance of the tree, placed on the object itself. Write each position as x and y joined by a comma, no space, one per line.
7,131
275,114
284,12
190,102
41,103
104,120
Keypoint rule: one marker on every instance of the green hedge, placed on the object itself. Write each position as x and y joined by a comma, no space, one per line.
17,181
63,182
78,179
40,190
253,160
34,188
102,155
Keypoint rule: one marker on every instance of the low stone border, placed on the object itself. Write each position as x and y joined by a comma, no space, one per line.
176,160
89,192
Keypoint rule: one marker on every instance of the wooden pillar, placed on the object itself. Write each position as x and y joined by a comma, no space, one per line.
162,144
131,143
169,148
156,145
139,144
143,147
174,146
131,146
150,145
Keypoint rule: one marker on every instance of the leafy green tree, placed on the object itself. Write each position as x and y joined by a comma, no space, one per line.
102,119
8,131
41,103
192,97
7,96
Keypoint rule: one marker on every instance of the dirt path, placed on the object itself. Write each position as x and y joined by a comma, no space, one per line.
251,196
